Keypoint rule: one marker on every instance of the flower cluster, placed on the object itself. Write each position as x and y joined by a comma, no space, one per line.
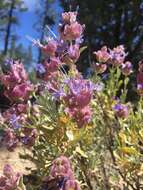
18,89
10,140
48,71
62,167
10,179
15,115
16,84
67,48
115,56
77,100
70,29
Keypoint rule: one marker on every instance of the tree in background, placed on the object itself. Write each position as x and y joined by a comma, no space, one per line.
3,9
111,22
8,8
19,52
9,18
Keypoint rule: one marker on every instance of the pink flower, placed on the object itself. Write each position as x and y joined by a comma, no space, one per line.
69,17
72,54
72,31
53,65
2,182
21,91
126,68
51,69
140,89
10,140
10,179
80,93
21,108
61,167
7,80
99,67
117,55
50,48
81,116
102,55
8,171
17,74
77,100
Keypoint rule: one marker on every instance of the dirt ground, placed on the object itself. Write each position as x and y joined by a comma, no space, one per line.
15,161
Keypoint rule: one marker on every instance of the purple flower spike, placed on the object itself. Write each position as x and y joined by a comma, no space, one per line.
80,93
77,100
14,122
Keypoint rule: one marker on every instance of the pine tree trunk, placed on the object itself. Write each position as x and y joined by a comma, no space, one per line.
8,30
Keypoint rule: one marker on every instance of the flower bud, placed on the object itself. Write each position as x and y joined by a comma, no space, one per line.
50,48
99,67
69,17
102,55
126,68
121,110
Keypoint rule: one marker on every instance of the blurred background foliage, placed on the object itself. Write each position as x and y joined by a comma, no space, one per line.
111,22
108,22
